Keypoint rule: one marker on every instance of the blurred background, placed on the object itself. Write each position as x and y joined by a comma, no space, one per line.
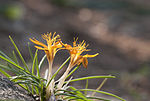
118,29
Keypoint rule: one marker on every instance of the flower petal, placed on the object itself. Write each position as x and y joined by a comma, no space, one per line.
84,62
37,42
40,48
90,56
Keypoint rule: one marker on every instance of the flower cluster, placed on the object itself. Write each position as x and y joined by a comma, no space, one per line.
54,44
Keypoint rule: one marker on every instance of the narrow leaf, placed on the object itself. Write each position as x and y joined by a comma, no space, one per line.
78,93
15,58
34,61
91,77
4,55
11,62
100,86
30,51
21,57
86,86
98,98
4,73
37,66
102,92
5,67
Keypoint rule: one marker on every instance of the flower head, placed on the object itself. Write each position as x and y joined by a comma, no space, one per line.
53,45
75,53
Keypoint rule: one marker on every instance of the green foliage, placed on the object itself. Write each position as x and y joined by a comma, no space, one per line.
31,80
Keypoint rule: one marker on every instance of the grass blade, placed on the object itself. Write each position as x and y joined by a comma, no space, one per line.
37,90
4,73
5,67
98,98
91,77
4,55
23,87
37,67
34,62
79,94
30,51
26,82
102,92
21,57
11,62
15,58
66,94
33,70
86,86
100,86
26,77
11,69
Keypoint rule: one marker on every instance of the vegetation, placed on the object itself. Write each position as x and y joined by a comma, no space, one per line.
48,88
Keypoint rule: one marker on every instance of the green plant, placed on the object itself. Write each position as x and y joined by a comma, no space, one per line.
48,88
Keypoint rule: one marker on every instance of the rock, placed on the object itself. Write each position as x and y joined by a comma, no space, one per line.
10,92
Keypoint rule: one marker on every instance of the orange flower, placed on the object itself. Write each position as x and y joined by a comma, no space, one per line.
76,58
76,51
53,45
